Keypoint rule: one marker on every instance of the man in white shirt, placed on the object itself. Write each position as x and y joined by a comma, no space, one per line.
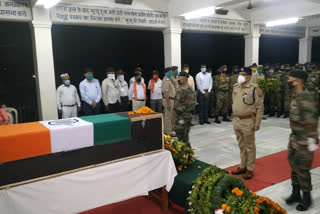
124,91
90,91
110,92
185,68
204,85
67,98
133,79
137,93
155,87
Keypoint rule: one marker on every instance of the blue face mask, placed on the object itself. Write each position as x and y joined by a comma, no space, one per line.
260,71
90,77
169,75
203,70
66,82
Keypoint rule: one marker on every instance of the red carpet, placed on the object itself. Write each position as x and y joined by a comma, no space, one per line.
272,169
138,205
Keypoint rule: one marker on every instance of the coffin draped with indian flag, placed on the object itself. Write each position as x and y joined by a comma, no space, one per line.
38,149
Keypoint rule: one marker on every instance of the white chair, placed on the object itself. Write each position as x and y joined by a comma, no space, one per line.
12,114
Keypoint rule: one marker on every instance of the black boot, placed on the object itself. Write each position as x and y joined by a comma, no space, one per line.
225,118
295,195
271,113
217,120
279,114
305,202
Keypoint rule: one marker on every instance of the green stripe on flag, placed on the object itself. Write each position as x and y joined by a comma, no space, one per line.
109,128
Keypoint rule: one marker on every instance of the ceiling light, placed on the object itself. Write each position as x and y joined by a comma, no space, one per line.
209,11
47,3
282,22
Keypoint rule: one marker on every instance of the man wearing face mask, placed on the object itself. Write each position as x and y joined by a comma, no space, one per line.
90,91
204,85
257,73
138,93
248,112
174,79
275,97
133,79
221,86
124,90
110,92
303,139
169,93
186,68
155,87
67,98
184,107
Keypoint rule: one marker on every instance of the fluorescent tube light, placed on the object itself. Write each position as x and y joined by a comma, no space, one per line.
208,11
47,3
282,22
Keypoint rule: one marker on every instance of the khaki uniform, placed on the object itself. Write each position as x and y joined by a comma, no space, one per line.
304,125
167,86
248,112
176,86
233,81
256,77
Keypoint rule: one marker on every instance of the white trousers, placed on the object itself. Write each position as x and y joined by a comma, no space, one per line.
68,112
136,105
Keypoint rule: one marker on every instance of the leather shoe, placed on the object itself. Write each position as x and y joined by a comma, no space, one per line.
239,171
248,175
207,122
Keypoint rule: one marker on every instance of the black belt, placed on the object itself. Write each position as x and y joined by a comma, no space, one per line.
171,98
69,105
140,100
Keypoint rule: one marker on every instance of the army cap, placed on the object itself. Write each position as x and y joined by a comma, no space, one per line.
246,70
298,73
183,74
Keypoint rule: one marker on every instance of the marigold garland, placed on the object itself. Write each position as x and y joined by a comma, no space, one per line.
143,110
182,154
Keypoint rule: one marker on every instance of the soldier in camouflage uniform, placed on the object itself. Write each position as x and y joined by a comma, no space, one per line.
266,72
313,81
233,81
303,139
185,104
221,84
286,92
212,98
275,97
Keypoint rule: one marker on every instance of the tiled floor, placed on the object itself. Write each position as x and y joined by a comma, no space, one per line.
216,144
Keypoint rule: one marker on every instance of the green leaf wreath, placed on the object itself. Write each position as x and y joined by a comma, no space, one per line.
182,154
215,189
270,85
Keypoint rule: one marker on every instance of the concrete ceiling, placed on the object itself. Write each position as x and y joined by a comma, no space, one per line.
262,11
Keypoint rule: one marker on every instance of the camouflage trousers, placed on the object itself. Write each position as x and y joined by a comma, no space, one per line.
275,101
300,163
212,103
182,131
286,100
222,103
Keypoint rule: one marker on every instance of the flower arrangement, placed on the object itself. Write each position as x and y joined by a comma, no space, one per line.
143,110
182,154
214,189
270,85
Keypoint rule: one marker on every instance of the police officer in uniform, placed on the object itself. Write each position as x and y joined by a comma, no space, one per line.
303,139
169,94
184,106
248,112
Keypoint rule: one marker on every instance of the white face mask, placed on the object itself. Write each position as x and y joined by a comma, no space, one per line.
241,79
112,76
121,78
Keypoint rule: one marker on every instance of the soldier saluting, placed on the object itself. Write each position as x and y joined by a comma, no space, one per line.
303,139
247,107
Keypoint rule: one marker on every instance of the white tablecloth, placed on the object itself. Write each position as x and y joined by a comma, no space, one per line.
70,137
91,188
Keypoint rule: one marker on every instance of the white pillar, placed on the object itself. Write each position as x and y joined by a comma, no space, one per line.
172,43
251,54
305,47
43,63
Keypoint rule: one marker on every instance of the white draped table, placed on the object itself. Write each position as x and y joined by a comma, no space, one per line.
91,188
